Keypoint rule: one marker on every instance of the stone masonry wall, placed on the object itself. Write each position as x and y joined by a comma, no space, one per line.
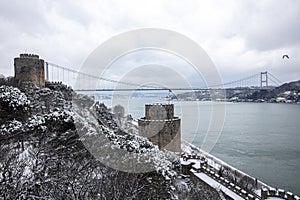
29,68
161,127
159,111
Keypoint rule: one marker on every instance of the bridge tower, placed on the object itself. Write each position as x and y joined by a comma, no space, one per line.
263,79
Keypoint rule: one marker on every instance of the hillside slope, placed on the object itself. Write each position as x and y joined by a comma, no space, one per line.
51,149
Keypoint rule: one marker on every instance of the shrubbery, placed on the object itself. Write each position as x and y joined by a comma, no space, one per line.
14,105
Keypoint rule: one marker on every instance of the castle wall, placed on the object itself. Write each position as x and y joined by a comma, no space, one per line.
159,111
161,127
29,68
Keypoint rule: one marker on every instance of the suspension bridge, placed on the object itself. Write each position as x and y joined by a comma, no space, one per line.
81,81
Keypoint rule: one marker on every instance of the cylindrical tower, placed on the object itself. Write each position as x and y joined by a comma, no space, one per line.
161,127
29,68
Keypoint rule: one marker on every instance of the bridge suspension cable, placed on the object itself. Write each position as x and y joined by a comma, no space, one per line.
88,82
97,77
276,80
236,82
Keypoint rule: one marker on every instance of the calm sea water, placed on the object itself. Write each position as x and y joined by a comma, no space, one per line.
261,139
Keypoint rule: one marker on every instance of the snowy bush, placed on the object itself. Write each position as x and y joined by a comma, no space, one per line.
36,122
61,120
63,115
11,127
13,98
130,142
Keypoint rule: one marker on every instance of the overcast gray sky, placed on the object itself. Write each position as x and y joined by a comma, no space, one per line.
241,37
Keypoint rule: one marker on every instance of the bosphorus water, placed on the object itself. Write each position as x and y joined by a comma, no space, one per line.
261,139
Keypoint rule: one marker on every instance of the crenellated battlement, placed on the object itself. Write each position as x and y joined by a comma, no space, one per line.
27,55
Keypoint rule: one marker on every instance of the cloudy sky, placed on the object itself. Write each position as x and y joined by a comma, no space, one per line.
241,37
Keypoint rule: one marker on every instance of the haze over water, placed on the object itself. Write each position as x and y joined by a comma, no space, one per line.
261,139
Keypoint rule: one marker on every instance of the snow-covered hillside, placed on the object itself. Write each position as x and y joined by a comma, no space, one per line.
56,144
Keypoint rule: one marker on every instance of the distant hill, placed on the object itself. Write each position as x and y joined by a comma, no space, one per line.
292,86
277,91
288,91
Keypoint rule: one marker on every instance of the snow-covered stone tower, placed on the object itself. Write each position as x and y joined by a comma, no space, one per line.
161,127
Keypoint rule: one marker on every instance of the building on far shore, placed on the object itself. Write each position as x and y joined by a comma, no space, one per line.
161,127
29,68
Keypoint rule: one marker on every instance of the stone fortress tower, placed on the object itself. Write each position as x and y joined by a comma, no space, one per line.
29,68
161,127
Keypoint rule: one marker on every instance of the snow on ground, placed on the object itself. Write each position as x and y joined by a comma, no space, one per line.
218,186
135,122
215,162
209,180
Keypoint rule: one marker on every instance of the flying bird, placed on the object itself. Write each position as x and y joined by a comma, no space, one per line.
285,56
